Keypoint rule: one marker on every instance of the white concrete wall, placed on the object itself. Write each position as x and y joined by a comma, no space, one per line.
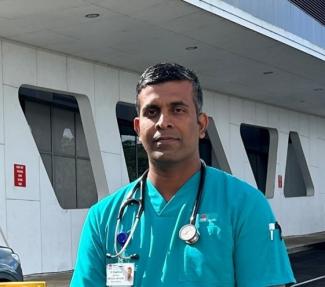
45,235
3,202
3,213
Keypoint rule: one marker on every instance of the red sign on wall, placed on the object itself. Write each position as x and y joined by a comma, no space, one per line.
20,175
279,181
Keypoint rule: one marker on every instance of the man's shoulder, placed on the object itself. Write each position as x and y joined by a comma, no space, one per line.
226,179
237,197
232,186
111,201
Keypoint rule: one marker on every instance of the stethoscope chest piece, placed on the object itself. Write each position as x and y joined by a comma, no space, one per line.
122,237
189,234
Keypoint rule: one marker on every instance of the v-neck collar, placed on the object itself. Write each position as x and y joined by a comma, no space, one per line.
185,194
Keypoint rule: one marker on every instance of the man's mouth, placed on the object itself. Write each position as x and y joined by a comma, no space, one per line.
165,139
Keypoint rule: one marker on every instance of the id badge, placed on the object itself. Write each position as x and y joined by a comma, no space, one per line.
120,274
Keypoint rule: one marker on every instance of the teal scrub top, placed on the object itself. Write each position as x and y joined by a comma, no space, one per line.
234,248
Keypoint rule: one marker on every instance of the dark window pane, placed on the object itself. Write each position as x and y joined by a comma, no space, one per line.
81,144
125,113
63,132
142,159
205,150
87,194
294,184
257,143
129,149
65,181
297,181
38,118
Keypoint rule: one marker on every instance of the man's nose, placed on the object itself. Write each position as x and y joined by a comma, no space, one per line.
164,121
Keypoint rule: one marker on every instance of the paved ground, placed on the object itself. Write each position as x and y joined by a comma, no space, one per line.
309,266
302,250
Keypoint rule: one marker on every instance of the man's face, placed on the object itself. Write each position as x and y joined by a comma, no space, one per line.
168,125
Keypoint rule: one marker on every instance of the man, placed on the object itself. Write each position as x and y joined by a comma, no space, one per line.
237,242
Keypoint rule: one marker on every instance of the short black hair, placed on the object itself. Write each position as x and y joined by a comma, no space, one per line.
166,72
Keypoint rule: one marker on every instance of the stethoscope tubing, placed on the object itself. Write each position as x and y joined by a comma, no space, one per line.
140,202
129,201
199,194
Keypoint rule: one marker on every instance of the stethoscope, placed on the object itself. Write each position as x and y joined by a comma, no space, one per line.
187,233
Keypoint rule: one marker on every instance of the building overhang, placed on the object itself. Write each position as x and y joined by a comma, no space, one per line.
230,58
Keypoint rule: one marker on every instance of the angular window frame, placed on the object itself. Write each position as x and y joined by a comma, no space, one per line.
295,149
79,105
271,160
219,158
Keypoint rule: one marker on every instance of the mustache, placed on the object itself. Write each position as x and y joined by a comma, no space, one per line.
165,137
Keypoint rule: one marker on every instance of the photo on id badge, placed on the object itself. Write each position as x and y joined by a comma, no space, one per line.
120,274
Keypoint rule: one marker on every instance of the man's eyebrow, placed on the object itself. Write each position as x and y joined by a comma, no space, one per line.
179,103
150,106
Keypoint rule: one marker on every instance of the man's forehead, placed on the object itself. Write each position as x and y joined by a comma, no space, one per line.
167,90
169,93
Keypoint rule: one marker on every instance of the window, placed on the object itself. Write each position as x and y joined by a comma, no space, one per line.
297,177
56,126
261,147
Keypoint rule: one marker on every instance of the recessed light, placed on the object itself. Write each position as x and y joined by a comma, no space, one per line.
191,48
92,15
268,73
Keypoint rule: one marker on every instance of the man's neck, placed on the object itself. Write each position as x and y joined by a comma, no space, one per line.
169,178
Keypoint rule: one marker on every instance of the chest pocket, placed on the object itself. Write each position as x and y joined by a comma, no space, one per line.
209,261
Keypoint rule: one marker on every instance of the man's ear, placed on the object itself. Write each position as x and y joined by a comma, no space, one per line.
203,121
136,125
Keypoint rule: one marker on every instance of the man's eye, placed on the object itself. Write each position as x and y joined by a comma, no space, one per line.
151,113
179,110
